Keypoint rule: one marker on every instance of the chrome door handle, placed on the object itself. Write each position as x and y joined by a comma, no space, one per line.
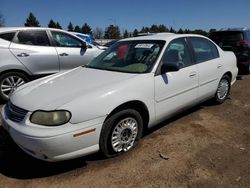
192,74
63,54
23,55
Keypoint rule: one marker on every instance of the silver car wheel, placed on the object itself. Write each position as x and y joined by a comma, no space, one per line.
10,84
124,134
223,89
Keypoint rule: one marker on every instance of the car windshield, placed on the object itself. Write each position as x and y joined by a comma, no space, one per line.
135,56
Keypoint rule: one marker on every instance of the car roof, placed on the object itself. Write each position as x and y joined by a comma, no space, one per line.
77,33
162,36
7,29
233,29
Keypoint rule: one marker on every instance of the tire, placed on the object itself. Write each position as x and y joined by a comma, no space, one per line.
245,69
223,90
248,68
116,136
9,82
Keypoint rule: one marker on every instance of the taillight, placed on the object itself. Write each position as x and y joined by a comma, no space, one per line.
242,43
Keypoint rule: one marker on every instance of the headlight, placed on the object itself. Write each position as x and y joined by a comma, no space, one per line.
51,118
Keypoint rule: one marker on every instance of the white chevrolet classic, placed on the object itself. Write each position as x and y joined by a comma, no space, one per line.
105,105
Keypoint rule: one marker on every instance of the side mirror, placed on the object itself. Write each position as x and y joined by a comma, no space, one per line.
83,45
171,67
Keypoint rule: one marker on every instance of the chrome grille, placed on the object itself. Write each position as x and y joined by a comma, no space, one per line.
15,113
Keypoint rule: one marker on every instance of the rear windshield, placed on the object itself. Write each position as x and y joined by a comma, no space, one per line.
227,36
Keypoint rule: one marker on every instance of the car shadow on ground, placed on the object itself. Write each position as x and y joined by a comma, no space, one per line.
15,163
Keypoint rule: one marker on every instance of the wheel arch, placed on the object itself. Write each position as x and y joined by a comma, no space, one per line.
229,74
16,70
136,105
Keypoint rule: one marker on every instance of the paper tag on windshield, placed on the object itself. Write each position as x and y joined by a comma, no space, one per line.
144,45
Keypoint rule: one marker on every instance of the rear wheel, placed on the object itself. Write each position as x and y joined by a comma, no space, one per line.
121,132
223,89
9,82
245,69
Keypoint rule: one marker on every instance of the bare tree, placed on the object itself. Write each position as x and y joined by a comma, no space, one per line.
2,20
98,33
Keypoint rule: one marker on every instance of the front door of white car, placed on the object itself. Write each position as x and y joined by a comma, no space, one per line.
71,51
209,65
33,49
175,90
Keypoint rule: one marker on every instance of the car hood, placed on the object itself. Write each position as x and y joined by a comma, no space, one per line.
52,92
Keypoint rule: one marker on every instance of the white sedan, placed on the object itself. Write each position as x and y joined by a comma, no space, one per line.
106,105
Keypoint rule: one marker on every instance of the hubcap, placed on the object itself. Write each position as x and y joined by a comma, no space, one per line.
10,84
223,89
124,134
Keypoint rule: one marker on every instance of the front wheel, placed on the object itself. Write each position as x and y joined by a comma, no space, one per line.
121,132
9,82
223,89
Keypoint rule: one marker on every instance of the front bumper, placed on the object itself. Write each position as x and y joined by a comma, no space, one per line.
55,143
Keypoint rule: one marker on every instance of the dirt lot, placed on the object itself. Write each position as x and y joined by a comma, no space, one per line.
208,146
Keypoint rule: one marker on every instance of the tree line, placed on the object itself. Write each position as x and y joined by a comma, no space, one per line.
110,32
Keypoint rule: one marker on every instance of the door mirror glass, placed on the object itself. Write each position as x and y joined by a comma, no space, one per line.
83,45
169,68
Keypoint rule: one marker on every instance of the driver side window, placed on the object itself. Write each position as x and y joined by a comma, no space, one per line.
177,53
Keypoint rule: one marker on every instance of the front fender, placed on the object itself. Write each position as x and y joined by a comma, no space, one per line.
103,102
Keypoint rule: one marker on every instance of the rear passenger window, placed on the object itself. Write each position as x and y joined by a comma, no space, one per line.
37,38
7,36
204,49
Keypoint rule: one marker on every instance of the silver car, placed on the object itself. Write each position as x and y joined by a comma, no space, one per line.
29,53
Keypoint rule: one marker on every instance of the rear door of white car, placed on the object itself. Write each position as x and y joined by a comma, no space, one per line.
175,90
34,50
71,51
210,66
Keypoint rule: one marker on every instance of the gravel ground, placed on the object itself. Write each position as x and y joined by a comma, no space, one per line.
207,146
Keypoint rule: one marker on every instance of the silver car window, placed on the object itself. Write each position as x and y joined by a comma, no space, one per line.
37,38
64,40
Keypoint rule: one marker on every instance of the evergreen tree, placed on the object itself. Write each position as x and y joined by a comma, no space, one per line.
126,34
187,31
52,24
77,29
180,31
200,32
135,33
112,32
145,30
172,30
153,29
58,26
70,27
86,29
31,21
162,28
